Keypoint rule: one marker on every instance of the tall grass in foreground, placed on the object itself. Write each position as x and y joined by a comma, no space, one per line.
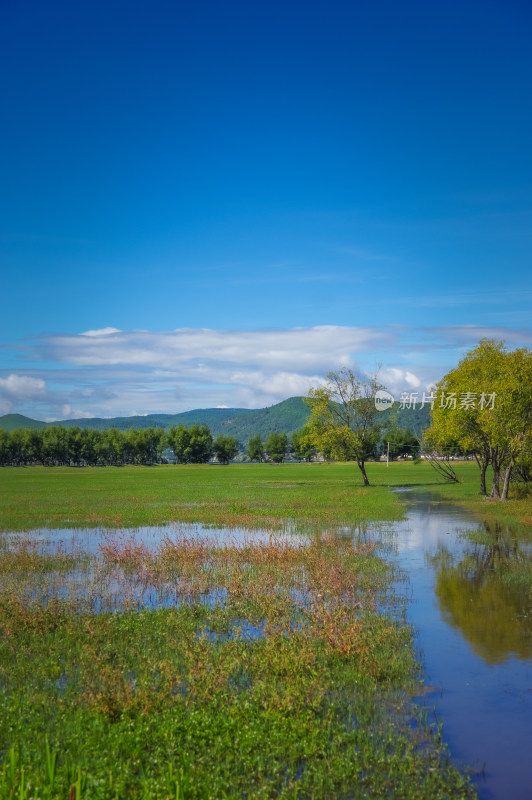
269,674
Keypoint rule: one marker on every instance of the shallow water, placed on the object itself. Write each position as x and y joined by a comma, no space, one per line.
90,540
98,584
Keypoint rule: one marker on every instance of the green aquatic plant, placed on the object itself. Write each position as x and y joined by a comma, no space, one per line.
270,673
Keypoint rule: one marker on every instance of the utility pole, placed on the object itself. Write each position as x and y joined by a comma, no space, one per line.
388,455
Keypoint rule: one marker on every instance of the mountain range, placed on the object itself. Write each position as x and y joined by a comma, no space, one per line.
242,423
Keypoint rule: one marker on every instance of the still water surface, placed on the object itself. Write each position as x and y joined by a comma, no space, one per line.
474,633
473,625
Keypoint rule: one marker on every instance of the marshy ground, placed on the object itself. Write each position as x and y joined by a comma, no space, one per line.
271,666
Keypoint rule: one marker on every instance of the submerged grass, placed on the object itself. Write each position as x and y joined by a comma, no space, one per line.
271,675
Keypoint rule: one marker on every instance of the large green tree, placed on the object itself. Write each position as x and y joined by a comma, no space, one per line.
146,445
402,442
255,448
510,427
344,421
225,448
192,445
276,447
485,405
302,444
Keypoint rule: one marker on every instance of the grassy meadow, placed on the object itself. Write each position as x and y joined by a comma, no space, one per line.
246,495
265,670
238,495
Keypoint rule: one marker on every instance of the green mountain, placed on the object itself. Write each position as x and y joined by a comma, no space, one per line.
285,417
414,419
10,422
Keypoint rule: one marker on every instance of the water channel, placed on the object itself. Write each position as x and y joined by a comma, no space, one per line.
471,614
474,633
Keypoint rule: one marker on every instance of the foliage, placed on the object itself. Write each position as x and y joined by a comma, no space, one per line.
58,446
402,443
255,448
192,445
344,421
487,410
302,444
276,447
225,448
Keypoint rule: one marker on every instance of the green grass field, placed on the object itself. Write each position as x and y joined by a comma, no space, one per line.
245,495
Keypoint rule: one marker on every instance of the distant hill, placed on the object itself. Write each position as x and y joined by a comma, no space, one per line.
242,423
415,419
10,422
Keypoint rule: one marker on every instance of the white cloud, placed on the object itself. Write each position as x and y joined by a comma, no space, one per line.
73,413
320,347
100,332
18,389
412,380
109,372
398,380
21,387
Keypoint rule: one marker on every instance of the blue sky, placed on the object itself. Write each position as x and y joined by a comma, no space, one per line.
216,203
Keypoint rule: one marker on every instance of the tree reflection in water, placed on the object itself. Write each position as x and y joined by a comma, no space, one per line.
486,594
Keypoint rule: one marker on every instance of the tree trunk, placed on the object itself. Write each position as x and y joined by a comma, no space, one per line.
483,463
506,485
496,458
496,488
483,469
362,469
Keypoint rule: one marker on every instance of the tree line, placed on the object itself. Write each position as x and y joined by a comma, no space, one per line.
74,446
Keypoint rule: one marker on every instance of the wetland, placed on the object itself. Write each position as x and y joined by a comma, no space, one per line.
343,649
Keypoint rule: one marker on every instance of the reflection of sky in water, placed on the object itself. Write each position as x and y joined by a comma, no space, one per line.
89,540
430,525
